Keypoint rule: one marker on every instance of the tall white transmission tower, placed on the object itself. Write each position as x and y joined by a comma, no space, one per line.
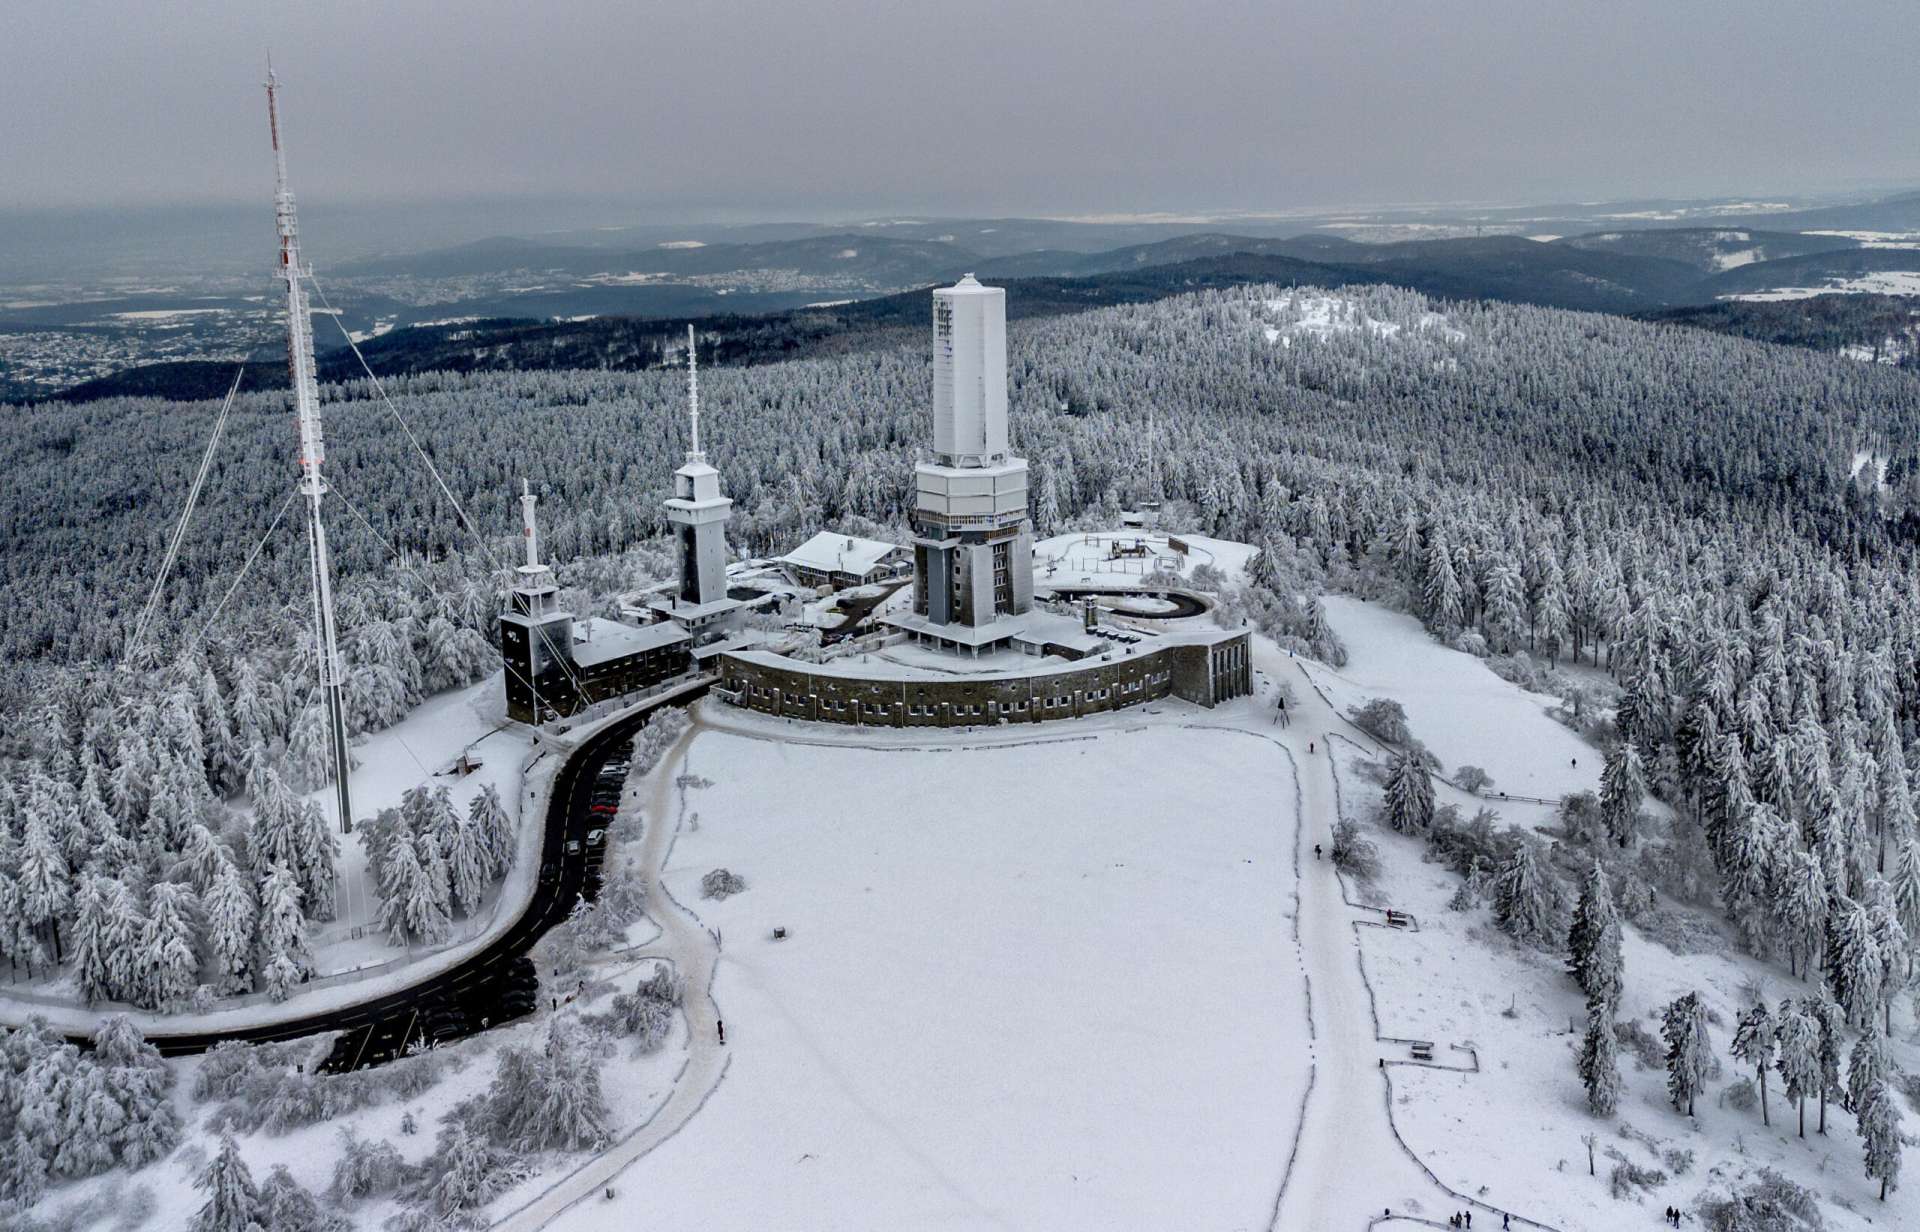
306,400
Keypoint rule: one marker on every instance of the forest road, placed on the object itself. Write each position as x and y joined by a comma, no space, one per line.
1350,1167
693,951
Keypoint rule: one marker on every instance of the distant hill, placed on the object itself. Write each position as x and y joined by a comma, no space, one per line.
634,325
1814,270
1709,250
874,258
1896,213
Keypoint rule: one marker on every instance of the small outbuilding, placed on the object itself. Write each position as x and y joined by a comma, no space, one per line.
839,561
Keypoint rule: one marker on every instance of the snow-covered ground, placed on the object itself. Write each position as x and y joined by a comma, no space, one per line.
1455,706
1049,985
1881,282
420,749
1303,313
1511,1133
1080,558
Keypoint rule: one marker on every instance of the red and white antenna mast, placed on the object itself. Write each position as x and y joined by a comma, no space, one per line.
306,401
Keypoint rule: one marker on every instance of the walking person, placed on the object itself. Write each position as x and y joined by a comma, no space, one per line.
721,1027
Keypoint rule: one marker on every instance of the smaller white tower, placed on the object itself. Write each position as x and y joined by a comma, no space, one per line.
699,516
536,637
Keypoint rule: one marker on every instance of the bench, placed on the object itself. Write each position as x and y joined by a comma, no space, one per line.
1398,919
1422,1050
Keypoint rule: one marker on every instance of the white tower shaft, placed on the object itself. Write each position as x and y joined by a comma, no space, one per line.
306,401
527,502
693,395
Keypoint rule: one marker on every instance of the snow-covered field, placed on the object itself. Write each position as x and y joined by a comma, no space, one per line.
1455,706
1047,986
1882,282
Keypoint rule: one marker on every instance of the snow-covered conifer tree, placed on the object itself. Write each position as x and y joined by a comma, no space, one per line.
1409,797
233,1202
1854,965
1830,1024
43,882
231,920
1879,1120
1689,1051
1599,1060
1621,786
1593,942
1753,1042
167,955
1521,904
1866,1065
489,816
1797,1055
89,953
1802,910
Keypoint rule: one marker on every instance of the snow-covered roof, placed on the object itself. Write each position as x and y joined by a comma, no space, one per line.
831,553
595,640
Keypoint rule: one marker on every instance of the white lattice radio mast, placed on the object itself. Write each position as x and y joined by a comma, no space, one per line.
306,401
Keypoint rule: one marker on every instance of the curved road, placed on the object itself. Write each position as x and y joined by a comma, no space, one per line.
377,1029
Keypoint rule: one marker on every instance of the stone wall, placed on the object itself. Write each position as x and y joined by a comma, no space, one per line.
1202,672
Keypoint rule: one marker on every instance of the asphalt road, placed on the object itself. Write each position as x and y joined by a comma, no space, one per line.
496,984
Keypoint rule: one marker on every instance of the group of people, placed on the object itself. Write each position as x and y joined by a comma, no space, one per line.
1461,1219
1673,1216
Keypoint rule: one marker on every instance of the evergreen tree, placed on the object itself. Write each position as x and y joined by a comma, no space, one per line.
470,1174
284,959
469,863
1521,905
1409,794
1689,1051
1803,910
1753,1042
1831,1024
1621,786
1797,1055
90,966
231,920
1866,1066
42,881
233,1203
1879,1121
1593,941
489,816
1854,965
1599,1060
166,946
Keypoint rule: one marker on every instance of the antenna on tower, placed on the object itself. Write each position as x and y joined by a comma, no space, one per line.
527,502
693,395
306,400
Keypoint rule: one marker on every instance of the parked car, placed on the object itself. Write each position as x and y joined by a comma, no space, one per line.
596,837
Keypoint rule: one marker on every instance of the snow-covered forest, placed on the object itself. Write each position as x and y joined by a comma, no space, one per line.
1673,505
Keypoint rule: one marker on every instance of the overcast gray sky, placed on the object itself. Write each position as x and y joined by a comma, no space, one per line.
791,107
